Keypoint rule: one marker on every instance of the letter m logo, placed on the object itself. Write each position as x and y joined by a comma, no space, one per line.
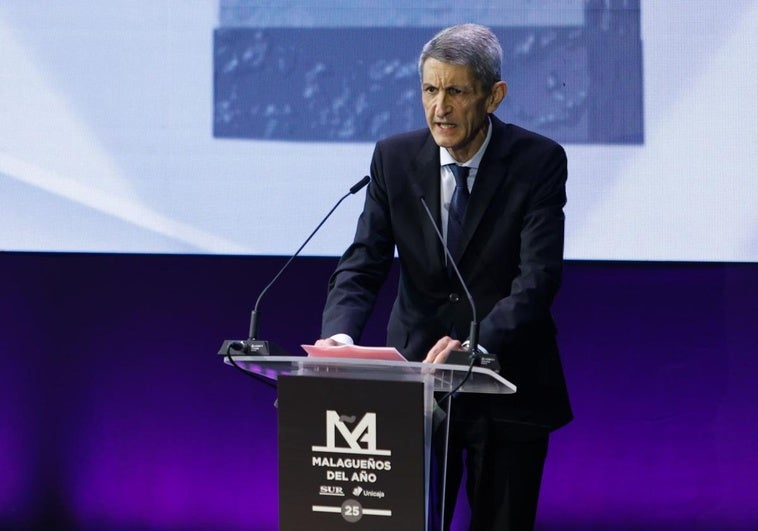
360,439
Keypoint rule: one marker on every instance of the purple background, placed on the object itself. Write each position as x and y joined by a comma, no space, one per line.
115,412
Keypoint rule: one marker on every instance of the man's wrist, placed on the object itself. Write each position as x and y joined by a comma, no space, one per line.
343,338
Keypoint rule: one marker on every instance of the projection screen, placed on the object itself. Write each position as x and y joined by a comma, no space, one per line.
232,127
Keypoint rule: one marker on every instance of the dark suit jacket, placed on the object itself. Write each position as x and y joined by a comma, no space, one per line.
511,255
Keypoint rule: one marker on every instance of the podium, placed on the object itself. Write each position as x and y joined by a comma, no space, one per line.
354,437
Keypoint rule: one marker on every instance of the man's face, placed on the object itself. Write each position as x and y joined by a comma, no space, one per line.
456,107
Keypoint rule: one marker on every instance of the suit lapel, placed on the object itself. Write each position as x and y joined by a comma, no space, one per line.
490,177
426,175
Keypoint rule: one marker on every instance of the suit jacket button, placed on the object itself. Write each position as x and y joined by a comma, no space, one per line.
453,297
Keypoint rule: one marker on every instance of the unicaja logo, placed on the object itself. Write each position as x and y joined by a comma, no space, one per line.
359,439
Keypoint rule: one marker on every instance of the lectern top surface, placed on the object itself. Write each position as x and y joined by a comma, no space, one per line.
445,377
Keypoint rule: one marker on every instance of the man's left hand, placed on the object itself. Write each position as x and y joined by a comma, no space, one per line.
441,350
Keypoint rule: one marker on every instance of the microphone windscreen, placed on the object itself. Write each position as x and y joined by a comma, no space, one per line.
360,184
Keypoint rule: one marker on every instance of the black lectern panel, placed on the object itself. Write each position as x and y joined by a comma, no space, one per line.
351,454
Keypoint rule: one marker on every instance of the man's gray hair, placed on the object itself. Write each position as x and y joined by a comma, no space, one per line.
469,45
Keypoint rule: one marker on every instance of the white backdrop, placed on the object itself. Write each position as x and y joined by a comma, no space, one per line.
106,143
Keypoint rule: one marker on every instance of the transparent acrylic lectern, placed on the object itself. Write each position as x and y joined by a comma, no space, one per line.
354,437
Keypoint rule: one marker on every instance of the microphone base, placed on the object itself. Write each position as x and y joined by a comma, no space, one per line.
485,361
251,347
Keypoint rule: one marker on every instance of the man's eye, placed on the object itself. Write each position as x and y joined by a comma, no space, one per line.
430,90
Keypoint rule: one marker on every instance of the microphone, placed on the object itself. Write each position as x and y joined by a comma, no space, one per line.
472,356
253,346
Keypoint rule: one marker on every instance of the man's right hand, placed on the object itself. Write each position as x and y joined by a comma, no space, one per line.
328,342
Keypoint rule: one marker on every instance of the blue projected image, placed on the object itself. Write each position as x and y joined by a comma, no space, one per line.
345,81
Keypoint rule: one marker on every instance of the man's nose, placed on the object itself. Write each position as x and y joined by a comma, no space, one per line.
441,105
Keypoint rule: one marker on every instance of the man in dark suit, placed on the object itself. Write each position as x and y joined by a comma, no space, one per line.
503,215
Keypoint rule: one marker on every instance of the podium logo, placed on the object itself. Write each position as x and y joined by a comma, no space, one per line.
330,490
360,439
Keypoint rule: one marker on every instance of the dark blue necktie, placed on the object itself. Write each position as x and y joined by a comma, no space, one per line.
457,207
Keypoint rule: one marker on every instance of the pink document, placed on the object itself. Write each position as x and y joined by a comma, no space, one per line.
354,351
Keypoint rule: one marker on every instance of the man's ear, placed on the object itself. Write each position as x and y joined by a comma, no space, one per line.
499,90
